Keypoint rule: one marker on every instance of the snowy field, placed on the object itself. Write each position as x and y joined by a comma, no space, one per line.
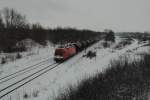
31,57
53,83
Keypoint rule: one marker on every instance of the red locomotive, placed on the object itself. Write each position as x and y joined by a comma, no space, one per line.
64,52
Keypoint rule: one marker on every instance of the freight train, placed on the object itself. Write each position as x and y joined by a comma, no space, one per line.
64,52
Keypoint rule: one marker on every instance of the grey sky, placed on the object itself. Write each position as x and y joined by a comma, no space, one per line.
119,15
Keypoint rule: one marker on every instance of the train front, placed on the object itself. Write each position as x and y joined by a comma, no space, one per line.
59,55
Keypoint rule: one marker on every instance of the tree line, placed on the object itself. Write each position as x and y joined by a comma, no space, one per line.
15,27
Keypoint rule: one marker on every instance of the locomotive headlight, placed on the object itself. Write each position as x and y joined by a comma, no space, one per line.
58,57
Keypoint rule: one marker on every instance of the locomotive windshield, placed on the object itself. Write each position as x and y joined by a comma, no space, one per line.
59,52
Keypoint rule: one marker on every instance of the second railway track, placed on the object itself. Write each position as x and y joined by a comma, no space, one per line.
22,71
19,83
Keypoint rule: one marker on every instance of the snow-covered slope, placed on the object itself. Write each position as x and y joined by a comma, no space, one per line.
71,72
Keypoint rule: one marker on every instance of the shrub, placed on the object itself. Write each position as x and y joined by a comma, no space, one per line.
25,96
18,56
3,61
91,54
105,44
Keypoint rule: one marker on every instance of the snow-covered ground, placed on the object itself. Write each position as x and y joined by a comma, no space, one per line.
71,72
29,58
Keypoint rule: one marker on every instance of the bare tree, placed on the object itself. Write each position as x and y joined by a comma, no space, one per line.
13,19
1,23
7,17
37,26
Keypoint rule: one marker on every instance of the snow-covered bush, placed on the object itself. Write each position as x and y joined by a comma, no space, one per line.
3,60
90,54
18,56
106,44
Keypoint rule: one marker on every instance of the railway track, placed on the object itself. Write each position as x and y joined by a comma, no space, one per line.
22,71
19,83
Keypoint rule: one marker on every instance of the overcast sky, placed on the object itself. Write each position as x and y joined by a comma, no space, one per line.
118,15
